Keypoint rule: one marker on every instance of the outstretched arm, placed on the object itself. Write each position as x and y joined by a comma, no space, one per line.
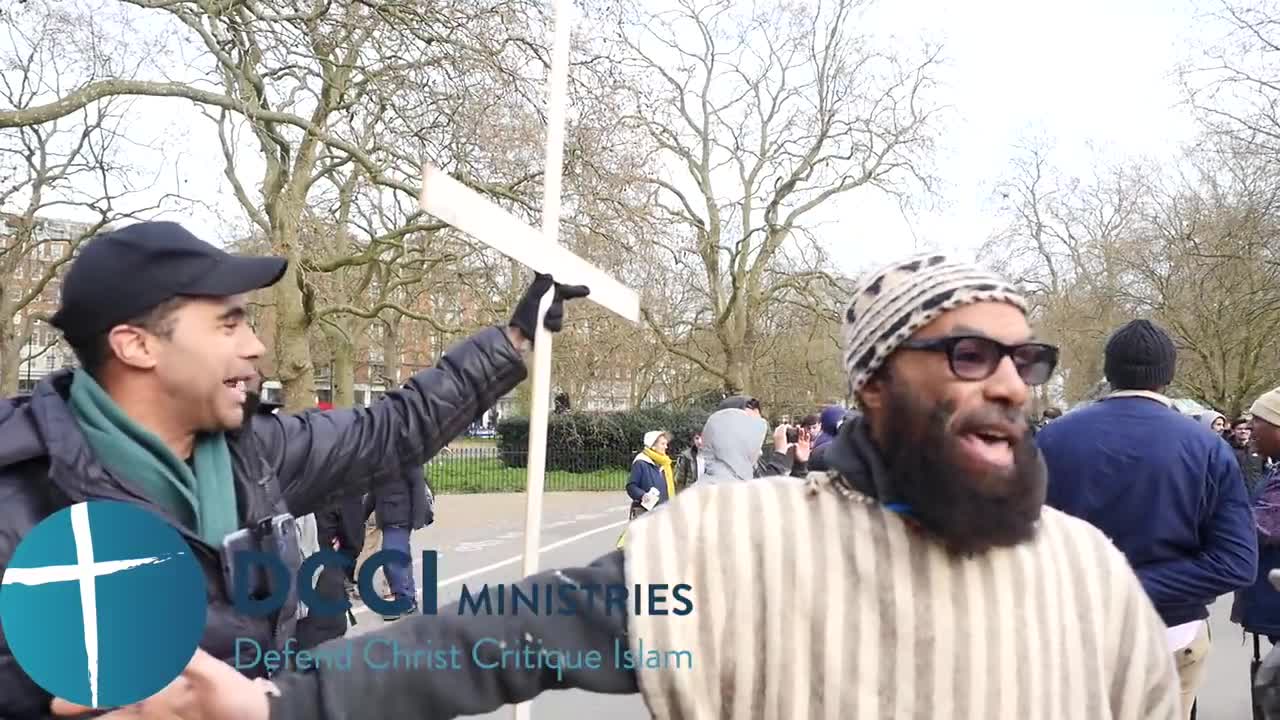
439,687
320,456
475,668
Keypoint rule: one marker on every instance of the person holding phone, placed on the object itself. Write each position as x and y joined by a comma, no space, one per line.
155,416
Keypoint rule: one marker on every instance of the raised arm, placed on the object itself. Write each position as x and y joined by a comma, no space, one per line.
318,456
321,456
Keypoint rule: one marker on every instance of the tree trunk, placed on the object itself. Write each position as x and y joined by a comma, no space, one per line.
292,347
10,362
524,398
391,352
736,371
344,372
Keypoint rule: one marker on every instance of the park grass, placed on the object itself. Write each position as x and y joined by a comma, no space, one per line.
491,476
470,442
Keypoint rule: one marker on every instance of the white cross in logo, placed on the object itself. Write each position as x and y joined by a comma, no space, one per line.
85,572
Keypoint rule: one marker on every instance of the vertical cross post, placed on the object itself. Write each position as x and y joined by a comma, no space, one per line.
540,405
466,210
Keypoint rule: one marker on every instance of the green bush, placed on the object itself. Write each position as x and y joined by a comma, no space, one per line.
588,442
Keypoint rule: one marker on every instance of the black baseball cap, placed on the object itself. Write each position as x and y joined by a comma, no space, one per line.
739,402
121,274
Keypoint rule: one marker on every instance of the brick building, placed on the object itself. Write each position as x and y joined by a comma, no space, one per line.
419,346
24,267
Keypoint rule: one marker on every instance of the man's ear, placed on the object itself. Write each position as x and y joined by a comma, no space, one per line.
132,347
872,395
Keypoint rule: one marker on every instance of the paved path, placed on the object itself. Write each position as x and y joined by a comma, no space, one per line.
480,540
1225,693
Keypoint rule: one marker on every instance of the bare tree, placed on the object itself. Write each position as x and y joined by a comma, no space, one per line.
759,117
1207,263
318,86
1061,243
1235,87
1195,254
72,168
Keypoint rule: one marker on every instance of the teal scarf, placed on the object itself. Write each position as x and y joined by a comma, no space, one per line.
204,501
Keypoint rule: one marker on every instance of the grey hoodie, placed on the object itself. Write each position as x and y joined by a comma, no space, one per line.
1206,419
732,441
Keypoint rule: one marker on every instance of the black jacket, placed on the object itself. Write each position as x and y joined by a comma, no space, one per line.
281,463
687,468
1252,464
427,693
331,692
401,499
773,463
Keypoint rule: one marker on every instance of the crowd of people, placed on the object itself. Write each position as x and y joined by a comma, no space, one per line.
924,556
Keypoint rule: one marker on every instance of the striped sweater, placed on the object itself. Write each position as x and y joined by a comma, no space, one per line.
830,607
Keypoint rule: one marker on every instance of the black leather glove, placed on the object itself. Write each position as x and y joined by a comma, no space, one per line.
526,313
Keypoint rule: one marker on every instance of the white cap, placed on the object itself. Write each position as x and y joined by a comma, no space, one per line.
651,437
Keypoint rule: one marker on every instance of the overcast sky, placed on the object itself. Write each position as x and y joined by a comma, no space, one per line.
1078,73
1088,71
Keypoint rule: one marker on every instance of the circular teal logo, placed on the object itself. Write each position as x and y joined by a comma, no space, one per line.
103,604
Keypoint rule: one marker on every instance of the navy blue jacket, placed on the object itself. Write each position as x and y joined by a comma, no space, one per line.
1168,492
646,474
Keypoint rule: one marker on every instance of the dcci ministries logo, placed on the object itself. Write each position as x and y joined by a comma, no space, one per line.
103,604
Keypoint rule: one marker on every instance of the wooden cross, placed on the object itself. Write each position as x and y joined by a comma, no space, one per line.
475,215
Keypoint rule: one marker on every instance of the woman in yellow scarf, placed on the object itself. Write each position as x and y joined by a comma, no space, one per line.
652,481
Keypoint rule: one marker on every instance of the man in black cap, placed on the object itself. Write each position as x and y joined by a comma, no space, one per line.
1169,494
156,414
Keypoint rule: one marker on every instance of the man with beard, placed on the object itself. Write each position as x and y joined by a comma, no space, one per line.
1169,494
918,578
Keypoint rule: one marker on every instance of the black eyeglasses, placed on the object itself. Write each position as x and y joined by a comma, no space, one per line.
973,357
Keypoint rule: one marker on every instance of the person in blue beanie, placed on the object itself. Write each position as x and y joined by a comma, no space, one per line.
1169,495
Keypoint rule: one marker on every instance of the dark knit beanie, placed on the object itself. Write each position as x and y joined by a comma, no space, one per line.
1140,356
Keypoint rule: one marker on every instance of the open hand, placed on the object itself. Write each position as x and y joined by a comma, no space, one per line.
804,445
208,689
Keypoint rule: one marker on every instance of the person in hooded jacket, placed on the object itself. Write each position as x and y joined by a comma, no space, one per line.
818,457
1214,422
830,419
781,460
651,470
732,443
155,417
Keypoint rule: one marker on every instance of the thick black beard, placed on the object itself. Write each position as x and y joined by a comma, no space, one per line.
919,453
